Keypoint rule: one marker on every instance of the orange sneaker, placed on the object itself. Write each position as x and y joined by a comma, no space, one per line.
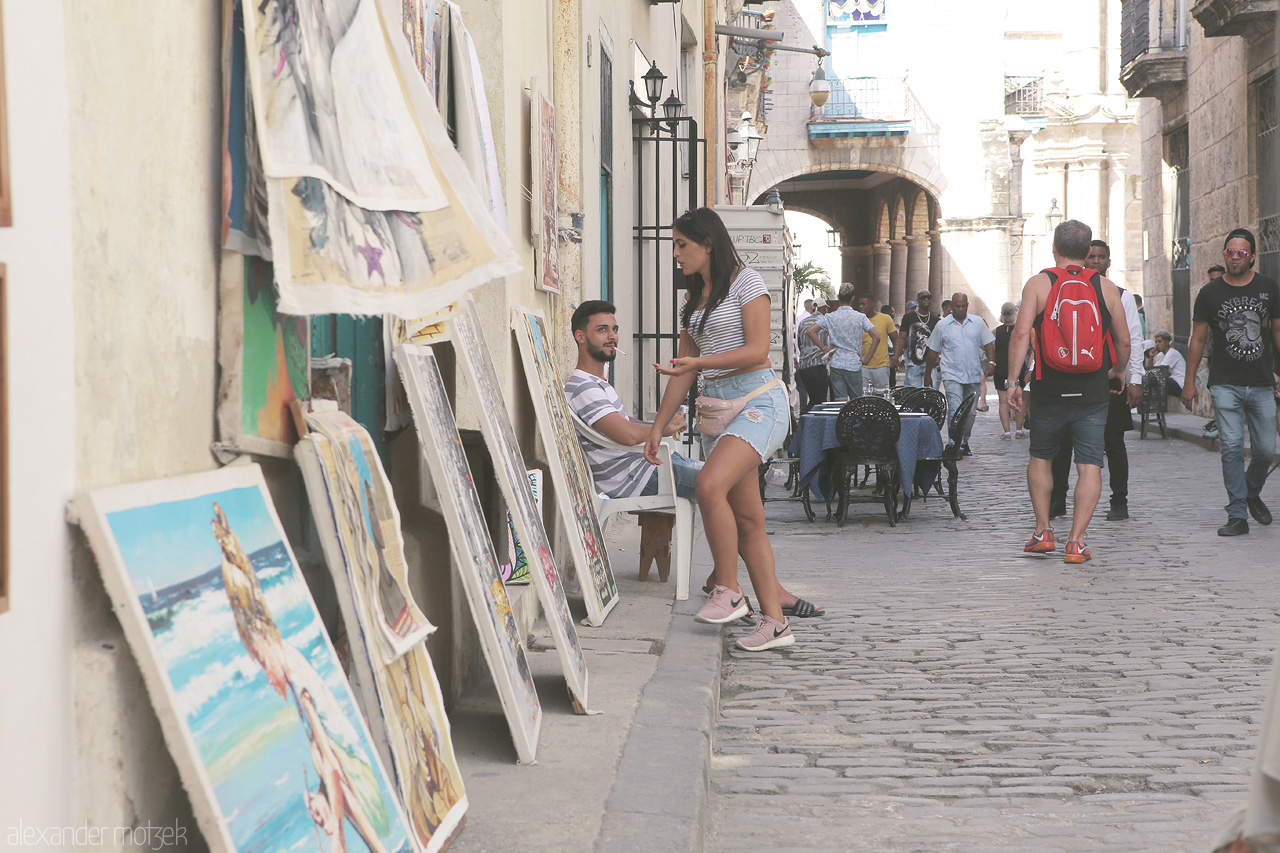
1041,542
1076,553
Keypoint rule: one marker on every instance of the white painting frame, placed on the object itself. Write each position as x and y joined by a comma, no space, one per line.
569,473
473,549
284,656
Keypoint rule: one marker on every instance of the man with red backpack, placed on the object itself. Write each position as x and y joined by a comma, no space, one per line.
1082,341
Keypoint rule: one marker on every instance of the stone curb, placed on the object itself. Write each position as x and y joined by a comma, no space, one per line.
659,796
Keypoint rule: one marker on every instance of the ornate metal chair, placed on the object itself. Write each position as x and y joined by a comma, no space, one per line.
931,402
868,429
951,456
1155,399
903,394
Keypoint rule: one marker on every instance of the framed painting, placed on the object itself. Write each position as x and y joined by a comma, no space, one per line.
569,474
518,571
253,703
545,187
263,359
509,467
472,548
360,533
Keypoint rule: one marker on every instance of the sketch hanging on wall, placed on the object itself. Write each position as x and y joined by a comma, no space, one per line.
397,246
244,188
359,528
319,71
509,467
518,571
545,185
569,475
262,360
250,696
473,551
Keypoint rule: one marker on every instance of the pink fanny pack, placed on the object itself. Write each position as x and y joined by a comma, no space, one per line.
715,415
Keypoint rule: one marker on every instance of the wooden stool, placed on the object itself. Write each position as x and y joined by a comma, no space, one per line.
655,542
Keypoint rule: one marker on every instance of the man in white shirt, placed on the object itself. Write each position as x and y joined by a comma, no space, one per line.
1169,357
957,344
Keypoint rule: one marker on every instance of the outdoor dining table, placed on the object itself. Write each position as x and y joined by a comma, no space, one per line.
815,434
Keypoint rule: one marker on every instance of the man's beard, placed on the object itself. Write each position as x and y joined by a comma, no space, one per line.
601,354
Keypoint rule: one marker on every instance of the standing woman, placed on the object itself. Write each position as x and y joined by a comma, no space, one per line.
1008,313
725,335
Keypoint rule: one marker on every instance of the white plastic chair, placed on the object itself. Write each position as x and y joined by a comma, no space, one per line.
665,499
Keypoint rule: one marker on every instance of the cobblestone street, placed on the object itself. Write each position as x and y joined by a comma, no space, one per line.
959,695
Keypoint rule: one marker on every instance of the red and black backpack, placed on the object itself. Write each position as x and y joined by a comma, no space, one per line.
1072,335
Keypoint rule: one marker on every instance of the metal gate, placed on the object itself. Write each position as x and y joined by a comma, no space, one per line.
670,161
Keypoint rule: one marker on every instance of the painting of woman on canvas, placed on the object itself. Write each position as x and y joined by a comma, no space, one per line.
253,677
348,790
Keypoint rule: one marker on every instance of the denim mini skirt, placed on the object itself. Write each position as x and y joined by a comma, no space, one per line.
764,422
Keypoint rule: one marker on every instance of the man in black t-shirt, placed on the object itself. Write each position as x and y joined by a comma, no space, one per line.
914,332
1242,309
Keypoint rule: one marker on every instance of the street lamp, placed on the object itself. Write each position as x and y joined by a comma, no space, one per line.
1053,217
750,137
833,238
671,108
775,201
819,88
653,79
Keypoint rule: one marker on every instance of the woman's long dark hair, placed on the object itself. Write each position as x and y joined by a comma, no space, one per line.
704,226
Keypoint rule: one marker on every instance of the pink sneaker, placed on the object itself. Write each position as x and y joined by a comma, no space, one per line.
769,634
723,605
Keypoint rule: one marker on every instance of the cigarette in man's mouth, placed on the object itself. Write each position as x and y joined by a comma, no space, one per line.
619,351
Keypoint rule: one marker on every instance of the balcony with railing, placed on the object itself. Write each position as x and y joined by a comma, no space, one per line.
872,108
1153,58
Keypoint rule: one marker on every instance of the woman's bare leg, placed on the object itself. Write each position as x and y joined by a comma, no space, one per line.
1004,410
728,490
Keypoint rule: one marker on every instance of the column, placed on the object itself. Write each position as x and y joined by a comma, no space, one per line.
917,265
863,268
1084,194
897,275
880,275
1118,232
937,257
848,265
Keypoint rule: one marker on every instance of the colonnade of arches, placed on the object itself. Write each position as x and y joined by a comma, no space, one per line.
890,245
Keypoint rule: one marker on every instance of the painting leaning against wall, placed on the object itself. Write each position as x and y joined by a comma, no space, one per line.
253,703
569,474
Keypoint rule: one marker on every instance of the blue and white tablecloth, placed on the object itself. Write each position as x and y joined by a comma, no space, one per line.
816,434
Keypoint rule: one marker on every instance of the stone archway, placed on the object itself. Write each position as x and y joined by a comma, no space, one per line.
883,216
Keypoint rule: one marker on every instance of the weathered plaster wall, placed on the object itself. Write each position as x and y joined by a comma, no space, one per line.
144,92
36,729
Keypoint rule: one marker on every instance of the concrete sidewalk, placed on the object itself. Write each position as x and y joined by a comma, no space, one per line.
635,776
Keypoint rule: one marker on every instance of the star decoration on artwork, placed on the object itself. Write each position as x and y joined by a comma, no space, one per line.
373,258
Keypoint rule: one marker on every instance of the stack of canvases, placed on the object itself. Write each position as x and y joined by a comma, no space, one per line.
255,707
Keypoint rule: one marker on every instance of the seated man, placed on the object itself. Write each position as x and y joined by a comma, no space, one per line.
625,473
617,473
1169,357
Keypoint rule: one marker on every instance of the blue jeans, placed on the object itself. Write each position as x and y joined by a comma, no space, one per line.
686,474
956,392
845,384
1234,406
915,376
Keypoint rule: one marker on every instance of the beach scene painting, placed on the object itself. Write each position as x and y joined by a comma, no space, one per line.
569,474
254,705
473,549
